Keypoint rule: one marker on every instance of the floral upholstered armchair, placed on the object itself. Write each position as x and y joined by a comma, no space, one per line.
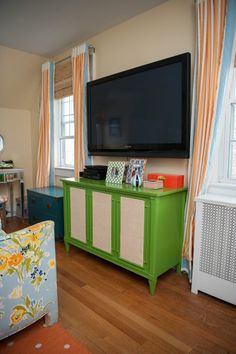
28,288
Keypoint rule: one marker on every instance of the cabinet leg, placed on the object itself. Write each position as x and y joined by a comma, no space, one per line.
67,247
152,285
178,268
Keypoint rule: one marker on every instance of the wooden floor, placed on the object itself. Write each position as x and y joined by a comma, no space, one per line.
110,310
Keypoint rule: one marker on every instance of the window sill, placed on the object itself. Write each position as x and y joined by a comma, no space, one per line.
223,188
64,171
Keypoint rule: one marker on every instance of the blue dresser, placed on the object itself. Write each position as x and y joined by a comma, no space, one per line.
47,204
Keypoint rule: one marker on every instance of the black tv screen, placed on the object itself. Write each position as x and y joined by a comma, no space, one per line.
141,112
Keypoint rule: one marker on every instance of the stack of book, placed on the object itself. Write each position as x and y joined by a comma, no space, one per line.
153,184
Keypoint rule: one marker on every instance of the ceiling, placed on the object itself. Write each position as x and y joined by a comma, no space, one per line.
47,27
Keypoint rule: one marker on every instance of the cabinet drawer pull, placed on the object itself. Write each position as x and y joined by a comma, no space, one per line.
49,205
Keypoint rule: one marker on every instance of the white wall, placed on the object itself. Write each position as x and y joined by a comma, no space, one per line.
15,127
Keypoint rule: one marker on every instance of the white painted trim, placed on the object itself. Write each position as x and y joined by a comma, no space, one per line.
226,189
210,284
57,113
197,242
64,172
217,199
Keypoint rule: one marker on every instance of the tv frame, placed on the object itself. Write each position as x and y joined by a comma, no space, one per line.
163,150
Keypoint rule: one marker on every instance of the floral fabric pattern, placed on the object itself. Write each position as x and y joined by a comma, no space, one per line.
28,288
3,234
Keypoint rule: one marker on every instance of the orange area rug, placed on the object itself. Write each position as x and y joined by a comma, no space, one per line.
37,339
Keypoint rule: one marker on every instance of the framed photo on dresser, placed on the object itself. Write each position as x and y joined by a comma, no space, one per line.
134,165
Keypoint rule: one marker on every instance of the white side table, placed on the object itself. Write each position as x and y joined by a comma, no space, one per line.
9,176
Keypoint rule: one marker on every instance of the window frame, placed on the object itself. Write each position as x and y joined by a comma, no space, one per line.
59,136
225,166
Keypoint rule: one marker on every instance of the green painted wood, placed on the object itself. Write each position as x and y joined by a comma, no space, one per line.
152,285
163,226
67,225
89,217
109,257
115,224
124,188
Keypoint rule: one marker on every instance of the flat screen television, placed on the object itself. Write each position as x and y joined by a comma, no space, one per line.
143,111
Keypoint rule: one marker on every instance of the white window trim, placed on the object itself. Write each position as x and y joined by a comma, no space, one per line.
64,171
64,165
223,170
224,166
57,112
221,188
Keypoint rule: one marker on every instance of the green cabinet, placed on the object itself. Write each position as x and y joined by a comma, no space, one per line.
138,229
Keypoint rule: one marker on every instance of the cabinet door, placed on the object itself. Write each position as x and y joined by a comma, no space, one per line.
78,213
132,213
102,214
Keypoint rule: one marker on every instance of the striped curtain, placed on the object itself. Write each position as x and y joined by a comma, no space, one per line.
80,77
228,62
45,148
211,18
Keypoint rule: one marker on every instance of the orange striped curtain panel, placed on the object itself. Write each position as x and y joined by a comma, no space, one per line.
80,76
78,61
211,16
43,158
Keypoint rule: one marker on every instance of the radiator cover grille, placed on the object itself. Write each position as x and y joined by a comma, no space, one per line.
218,242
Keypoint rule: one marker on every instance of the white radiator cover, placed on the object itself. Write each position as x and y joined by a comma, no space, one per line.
214,263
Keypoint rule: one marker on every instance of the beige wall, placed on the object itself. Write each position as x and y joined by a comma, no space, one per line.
20,75
15,127
166,30
163,31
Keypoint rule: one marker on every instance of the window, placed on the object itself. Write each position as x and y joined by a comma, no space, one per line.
227,169
232,133
64,128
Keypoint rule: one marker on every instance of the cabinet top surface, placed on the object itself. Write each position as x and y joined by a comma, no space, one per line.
127,188
55,192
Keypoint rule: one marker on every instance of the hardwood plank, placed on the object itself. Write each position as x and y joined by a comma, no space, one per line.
94,328
110,311
196,322
145,324
103,311
174,309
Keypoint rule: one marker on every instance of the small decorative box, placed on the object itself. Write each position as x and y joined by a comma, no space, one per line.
169,181
157,184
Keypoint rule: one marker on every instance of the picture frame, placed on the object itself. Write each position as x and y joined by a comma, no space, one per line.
115,172
135,165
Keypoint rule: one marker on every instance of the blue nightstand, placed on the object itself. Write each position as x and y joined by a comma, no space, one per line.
47,204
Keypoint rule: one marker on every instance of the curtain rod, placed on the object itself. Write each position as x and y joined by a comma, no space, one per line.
69,56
